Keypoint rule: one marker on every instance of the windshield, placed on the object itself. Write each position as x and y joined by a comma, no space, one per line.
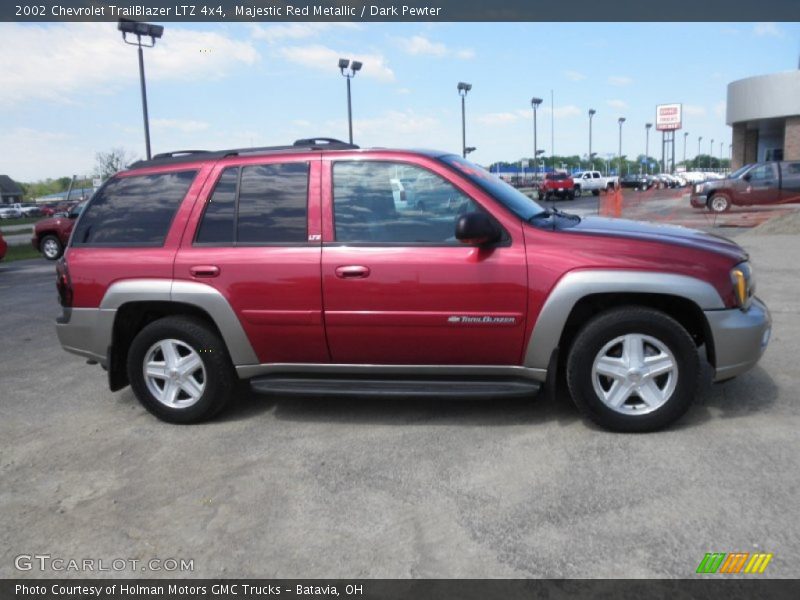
557,176
739,172
514,200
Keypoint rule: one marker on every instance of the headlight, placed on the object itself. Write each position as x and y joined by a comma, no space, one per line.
698,188
744,284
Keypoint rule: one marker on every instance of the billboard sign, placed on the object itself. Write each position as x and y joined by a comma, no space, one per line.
668,117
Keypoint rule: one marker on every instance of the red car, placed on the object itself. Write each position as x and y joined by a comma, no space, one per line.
295,268
557,185
3,246
50,235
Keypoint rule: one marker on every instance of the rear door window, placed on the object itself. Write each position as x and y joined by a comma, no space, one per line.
257,204
133,211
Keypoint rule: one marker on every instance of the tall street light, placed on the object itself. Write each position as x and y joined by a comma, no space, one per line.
685,135
710,152
647,127
699,139
348,70
463,89
621,120
721,144
592,113
154,32
535,102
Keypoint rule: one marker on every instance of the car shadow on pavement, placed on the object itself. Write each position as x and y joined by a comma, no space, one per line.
751,392
539,408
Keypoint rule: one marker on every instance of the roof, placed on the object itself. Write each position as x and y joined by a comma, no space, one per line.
9,186
303,145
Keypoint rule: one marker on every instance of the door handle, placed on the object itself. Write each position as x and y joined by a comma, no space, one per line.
352,272
204,270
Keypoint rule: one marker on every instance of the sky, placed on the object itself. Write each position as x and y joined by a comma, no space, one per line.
70,90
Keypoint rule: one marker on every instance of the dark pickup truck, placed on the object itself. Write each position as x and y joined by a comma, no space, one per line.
757,183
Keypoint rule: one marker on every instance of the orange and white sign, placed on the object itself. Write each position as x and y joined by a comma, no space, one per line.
668,117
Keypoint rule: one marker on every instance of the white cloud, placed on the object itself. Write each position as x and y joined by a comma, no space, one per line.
403,91
574,75
621,104
317,56
38,154
419,45
182,125
767,29
694,110
58,62
295,31
620,80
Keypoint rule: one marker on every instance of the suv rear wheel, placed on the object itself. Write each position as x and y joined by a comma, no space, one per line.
633,369
180,371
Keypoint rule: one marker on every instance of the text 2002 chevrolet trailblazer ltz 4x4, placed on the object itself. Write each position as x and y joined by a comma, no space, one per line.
304,269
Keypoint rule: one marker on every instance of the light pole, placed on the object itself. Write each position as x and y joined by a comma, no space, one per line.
592,113
154,32
621,120
710,152
535,102
348,70
463,88
647,127
697,160
685,135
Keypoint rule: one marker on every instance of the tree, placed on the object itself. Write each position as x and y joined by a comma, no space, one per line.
111,162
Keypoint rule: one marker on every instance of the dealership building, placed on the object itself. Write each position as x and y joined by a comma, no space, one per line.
764,112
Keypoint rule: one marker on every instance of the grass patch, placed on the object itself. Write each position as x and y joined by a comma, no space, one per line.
6,223
21,253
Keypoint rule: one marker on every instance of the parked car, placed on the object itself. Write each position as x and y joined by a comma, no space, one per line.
190,272
593,181
47,210
9,212
636,182
25,210
50,235
558,185
753,184
3,246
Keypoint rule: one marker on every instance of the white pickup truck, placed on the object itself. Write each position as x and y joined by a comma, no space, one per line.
17,210
593,181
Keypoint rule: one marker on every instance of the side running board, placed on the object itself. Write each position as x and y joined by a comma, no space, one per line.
469,389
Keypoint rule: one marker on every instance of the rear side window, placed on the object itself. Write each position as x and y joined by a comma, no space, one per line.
259,204
133,211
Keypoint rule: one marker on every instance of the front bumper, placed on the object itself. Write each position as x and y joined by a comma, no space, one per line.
740,338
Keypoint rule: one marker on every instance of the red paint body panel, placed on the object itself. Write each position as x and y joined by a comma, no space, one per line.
400,313
274,290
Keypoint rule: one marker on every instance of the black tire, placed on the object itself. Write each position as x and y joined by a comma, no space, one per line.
577,192
541,196
719,203
571,195
604,329
220,379
595,192
51,247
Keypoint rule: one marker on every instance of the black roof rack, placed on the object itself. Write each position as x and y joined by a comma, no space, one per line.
302,145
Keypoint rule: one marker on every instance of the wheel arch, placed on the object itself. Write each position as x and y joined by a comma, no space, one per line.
582,294
136,303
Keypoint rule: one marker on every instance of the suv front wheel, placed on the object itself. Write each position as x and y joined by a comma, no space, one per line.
180,371
633,369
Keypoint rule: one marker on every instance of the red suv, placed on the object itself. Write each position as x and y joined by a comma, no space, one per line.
297,268
51,235
557,185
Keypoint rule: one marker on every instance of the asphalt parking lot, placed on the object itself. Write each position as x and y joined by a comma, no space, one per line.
394,488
